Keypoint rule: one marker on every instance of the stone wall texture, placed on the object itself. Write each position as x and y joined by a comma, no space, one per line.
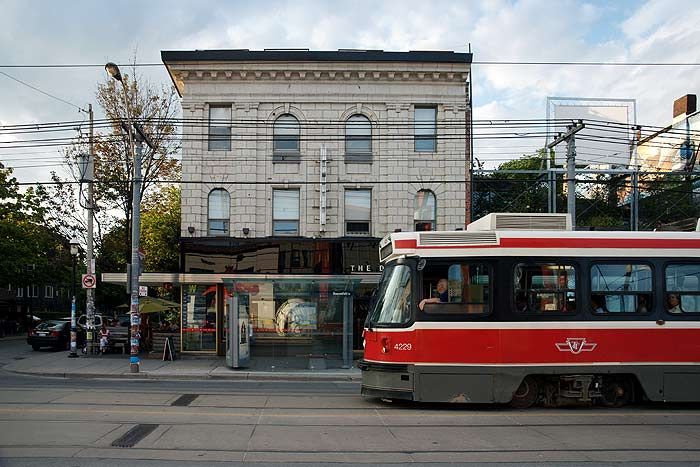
322,96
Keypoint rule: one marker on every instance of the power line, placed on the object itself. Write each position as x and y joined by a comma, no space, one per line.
43,92
474,62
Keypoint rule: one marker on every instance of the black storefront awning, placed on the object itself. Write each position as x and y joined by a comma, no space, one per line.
225,255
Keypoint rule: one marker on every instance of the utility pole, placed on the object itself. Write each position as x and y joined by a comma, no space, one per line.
135,234
90,293
570,167
140,137
634,175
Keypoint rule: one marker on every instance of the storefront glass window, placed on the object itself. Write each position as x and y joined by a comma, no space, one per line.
199,318
296,324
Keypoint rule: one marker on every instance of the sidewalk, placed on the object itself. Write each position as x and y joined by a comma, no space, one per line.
57,364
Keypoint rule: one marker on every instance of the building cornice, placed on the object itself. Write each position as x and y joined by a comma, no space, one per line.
276,72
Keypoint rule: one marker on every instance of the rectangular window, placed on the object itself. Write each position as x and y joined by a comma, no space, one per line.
358,212
425,121
48,291
220,128
456,288
285,212
545,288
20,291
620,288
683,288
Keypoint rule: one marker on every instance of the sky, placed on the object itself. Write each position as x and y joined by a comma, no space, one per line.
36,32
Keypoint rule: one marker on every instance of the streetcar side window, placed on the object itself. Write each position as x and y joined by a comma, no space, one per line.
456,288
545,288
682,288
621,288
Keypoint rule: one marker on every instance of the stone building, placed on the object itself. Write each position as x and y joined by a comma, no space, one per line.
294,164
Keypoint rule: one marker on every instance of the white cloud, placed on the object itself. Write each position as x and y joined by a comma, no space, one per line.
535,30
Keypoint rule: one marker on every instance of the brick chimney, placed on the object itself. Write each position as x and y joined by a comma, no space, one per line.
685,105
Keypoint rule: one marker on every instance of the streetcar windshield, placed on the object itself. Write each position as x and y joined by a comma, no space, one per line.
393,301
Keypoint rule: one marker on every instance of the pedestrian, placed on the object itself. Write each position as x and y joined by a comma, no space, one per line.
104,339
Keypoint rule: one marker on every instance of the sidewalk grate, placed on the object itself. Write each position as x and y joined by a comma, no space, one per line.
133,436
184,400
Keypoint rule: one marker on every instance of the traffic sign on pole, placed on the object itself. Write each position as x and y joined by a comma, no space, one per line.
89,281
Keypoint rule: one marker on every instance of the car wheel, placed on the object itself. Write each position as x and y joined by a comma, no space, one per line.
35,347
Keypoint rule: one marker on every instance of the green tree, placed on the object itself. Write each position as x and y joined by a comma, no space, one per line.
512,192
30,251
160,231
154,109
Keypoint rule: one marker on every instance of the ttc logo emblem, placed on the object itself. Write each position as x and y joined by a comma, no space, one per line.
576,345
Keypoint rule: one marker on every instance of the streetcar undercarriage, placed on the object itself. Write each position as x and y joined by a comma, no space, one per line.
523,387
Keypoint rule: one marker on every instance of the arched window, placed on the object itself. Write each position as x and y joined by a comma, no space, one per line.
358,135
218,215
286,134
425,211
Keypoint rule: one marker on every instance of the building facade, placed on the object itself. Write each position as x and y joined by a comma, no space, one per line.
294,164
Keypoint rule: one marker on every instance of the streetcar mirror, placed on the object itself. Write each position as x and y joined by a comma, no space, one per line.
421,264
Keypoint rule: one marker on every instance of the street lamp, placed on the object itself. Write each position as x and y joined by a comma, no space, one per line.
113,71
73,326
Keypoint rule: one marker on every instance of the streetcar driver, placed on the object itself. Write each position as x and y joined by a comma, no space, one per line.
442,296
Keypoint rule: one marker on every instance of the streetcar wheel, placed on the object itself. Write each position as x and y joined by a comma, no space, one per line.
526,395
617,392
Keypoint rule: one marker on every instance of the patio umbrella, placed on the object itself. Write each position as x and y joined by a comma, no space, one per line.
154,305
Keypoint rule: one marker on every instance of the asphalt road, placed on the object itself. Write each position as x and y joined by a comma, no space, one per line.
80,422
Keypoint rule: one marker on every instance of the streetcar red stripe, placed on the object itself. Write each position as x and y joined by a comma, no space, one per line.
407,244
599,243
545,346
527,242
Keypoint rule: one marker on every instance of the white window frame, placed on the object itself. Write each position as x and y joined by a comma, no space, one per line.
348,220
218,124
276,218
226,219
421,126
294,135
415,210
358,122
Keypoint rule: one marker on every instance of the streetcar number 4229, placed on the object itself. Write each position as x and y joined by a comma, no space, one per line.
402,346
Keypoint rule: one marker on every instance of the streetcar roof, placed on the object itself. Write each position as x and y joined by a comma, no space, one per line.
551,243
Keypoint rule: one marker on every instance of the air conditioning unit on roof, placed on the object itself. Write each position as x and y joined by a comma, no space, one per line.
521,221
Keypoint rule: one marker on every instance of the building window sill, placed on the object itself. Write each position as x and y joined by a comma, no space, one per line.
286,158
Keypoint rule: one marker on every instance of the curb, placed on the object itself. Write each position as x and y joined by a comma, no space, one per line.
175,377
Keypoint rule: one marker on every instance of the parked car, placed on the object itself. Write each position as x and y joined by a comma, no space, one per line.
51,333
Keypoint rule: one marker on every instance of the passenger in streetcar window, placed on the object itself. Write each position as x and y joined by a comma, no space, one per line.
567,300
642,304
597,303
673,303
442,296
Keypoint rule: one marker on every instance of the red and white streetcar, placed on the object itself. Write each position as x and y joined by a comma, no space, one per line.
520,308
